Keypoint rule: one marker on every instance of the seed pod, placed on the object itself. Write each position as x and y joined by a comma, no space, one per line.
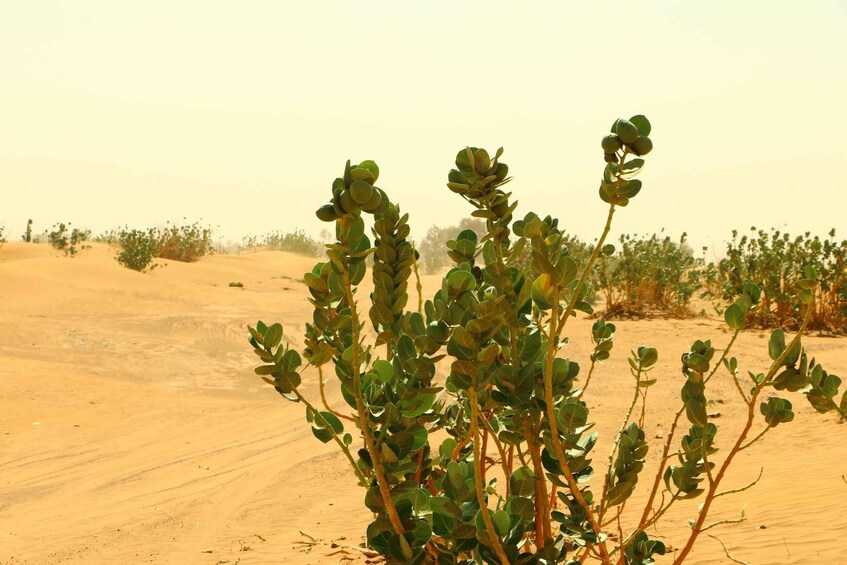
626,130
346,202
642,146
361,190
611,143
327,213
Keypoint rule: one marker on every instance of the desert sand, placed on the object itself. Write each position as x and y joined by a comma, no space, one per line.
133,430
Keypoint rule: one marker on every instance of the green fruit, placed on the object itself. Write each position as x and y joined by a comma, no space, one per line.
374,203
642,146
361,190
543,292
346,202
501,172
611,143
439,331
627,131
326,213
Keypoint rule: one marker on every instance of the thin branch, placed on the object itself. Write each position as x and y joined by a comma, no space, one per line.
725,550
742,489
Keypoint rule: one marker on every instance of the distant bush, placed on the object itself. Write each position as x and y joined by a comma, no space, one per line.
68,240
434,244
236,285
648,274
138,247
2,236
185,243
776,262
27,235
109,237
296,241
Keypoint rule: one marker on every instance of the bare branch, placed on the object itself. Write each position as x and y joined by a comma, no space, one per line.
742,489
725,550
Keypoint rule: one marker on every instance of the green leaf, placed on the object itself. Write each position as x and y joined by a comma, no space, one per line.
620,492
642,123
501,523
273,336
735,316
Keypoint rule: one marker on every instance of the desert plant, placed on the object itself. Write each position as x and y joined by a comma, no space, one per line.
236,284
27,235
2,236
71,241
647,274
295,241
509,398
138,247
185,243
775,261
433,246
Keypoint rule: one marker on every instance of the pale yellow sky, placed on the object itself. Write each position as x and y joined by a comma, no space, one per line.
242,113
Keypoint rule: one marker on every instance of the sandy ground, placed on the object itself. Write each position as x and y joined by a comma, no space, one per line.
132,429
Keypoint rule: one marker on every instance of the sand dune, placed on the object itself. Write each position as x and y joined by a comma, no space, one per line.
133,430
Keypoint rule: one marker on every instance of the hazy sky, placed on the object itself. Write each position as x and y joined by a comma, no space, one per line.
242,113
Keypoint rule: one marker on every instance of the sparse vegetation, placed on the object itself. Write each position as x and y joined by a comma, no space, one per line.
648,274
433,247
236,285
296,241
2,236
775,261
71,241
186,243
509,481
138,247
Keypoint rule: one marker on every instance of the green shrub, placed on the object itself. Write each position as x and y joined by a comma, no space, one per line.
138,247
648,274
185,243
66,239
294,242
776,261
497,325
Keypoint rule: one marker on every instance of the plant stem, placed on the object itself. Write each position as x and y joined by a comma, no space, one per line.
478,477
586,272
323,397
608,480
710,496
418,285
543,515
364,422
554,426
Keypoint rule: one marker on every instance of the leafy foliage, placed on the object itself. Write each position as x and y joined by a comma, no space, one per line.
138,247
433,245
496,324
296,241
776,262
63,238
185,243
648,273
